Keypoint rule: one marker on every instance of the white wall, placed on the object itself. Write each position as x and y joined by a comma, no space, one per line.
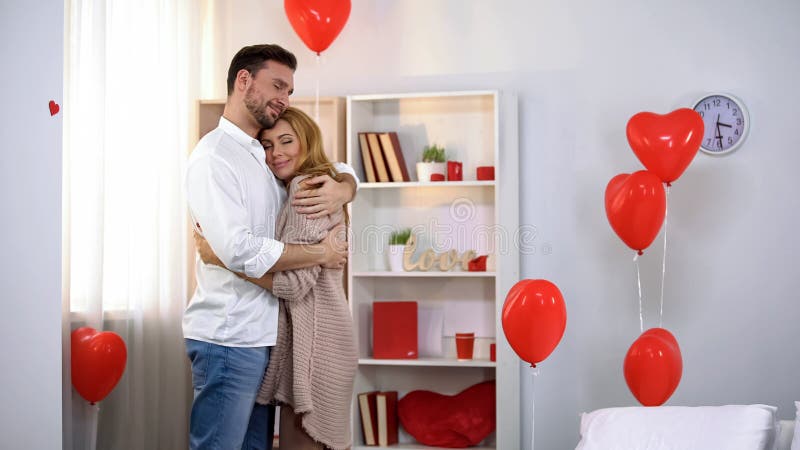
30,230
582,69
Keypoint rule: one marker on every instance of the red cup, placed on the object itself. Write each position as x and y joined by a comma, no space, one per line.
485,173
492,352
454,172
437,177
465,342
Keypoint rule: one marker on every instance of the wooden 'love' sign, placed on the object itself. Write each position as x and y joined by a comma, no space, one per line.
446,261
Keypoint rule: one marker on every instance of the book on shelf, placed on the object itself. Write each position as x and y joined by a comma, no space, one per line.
369,416
386,403
378,162
366,158
394,330
430,323
393,154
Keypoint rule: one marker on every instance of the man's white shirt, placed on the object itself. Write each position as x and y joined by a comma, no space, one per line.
235,199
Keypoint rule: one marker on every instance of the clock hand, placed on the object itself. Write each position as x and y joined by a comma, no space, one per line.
723,124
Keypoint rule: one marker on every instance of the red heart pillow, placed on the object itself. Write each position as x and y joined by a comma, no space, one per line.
451,421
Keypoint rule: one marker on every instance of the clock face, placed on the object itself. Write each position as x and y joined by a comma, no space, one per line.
725,121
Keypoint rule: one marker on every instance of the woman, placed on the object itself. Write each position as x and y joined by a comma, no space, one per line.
313,364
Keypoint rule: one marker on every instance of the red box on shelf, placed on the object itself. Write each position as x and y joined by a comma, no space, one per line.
485,173
394,330
454,171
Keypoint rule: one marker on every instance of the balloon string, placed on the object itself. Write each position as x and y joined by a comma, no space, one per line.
534,373
664,262
639,285
316,101
94,414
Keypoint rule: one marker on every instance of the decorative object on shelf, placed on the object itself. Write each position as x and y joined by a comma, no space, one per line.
98,362
665,144
366,159
653,367
397,243
491,263
635,206
386,404
455,171
430,325
478,264
457,421
485,173
433,161
465,343
317,22
394,330
534,319
378,161
367,406
437,177
493,352
393,155
446,260
726,123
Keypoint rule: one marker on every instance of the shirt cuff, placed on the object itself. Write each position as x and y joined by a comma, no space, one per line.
269,253
344,168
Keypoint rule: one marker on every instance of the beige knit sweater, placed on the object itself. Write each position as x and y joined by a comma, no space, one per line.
313,364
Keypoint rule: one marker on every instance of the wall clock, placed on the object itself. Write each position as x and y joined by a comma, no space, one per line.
726,123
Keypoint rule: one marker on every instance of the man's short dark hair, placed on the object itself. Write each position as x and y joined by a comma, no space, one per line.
252,58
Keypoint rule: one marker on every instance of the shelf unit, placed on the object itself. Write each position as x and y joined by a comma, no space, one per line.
478,128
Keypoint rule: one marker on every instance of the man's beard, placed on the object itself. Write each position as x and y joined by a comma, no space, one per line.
259,111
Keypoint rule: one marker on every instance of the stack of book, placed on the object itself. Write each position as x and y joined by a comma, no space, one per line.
379,417
382,157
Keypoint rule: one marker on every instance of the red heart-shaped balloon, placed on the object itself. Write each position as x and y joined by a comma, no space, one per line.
98,361
653,367
666,144
451,421
54,108
534,319
317,22
635,207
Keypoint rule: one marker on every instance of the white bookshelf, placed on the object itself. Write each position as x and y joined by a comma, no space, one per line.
478,128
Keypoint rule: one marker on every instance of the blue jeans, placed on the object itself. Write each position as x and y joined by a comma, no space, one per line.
224,412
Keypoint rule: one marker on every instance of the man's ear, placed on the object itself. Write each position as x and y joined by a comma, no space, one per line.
243,79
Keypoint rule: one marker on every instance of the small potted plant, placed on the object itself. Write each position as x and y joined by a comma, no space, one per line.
397,242
433,161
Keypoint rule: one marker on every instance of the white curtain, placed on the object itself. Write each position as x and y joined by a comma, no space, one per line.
131,83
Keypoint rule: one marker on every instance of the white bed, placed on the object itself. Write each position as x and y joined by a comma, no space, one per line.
730,427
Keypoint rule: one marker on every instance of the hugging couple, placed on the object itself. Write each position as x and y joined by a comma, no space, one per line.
268,323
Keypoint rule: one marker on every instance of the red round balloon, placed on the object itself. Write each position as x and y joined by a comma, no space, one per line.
534,319
653,367
98,361
666,144
317,22
635,207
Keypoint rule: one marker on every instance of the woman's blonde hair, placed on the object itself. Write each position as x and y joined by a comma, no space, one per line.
313,160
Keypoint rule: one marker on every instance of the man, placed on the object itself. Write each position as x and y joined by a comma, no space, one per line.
230,324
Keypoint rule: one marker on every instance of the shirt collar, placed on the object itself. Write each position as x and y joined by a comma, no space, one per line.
244,139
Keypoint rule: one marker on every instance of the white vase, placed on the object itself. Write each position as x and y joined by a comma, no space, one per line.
426,169
395,257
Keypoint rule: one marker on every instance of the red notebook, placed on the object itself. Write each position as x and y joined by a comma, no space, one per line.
394,330
386,403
